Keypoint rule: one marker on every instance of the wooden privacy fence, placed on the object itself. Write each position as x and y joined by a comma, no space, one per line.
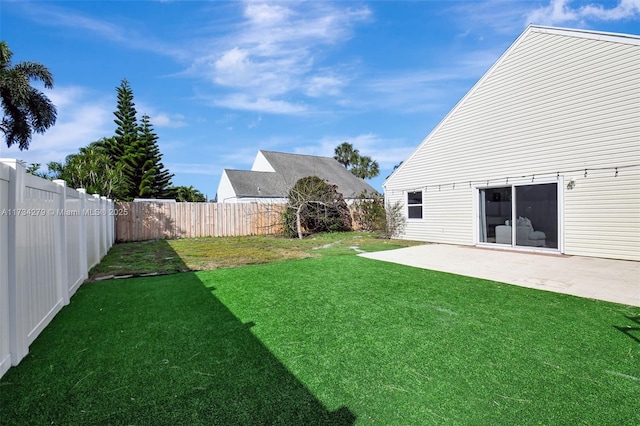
148,220
50,236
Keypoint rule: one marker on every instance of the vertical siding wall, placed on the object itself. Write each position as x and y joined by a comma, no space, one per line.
50,236
141,221
602,214
556,104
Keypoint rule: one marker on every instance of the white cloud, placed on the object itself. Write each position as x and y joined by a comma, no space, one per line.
266,14
562,12
325,85
168,120
159,118
556,12
483,18
274,52
231,68
427,90
268,57
127,33
236,69
245,102
82,119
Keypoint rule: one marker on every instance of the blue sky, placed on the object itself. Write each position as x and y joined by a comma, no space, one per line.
221,80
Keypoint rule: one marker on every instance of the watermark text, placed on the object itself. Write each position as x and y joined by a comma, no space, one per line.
63,212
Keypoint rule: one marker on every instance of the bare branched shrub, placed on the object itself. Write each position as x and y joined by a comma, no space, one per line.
369,213
372,214
315,206
395,220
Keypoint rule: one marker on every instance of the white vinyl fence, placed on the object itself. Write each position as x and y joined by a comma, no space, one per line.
50,236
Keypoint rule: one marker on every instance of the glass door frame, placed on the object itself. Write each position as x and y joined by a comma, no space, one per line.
513,183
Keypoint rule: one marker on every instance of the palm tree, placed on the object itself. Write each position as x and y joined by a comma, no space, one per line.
345,154
365,168
92,169
187,193
25,109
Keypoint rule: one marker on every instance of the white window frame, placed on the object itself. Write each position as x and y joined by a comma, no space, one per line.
421,205
559,180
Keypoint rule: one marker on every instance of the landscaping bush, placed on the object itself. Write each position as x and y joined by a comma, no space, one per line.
371,214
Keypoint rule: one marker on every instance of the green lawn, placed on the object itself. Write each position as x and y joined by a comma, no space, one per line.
332,340
198,254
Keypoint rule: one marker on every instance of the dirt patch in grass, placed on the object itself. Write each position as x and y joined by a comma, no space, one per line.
198,254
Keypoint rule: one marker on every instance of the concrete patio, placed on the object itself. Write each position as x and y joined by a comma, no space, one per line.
595,278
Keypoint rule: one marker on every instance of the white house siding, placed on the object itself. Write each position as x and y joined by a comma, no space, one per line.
602,215
445,216
556,103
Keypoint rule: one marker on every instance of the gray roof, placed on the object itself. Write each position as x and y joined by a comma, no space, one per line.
288,169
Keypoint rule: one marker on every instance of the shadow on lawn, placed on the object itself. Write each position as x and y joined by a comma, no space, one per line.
142,258
157,350
631,331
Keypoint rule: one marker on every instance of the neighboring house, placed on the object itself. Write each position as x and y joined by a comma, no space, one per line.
274,173
548,140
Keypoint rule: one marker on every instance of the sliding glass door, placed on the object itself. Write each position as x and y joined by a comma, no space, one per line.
519,215
495,210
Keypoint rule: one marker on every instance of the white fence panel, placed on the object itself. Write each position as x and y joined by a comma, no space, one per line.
50,236
5,347
37,257
76,236
93,231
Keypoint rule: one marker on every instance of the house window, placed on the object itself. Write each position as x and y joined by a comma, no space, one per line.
414,203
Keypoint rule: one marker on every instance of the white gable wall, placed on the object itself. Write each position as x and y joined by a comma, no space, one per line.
226,193
261,164
554,105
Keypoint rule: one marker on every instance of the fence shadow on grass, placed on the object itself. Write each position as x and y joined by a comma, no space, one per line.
139,259
156,350
633,332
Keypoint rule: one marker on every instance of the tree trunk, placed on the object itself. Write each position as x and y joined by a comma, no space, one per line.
298,226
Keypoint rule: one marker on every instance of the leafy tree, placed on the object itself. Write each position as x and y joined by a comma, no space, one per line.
92,169
126,122
151,178
123,148
361,166
315,206
25,109
135,148
186,194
